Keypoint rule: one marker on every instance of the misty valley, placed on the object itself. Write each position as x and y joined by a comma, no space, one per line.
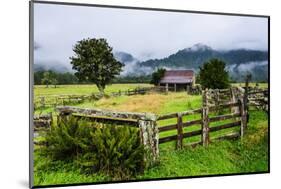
239,62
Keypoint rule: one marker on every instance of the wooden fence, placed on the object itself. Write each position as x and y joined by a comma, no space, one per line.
56,100
258,98
209,115
42,122
129,92
42,102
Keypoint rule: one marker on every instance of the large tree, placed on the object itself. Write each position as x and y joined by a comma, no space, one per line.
213,75
94,62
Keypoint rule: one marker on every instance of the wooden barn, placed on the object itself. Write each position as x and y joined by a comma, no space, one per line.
178,80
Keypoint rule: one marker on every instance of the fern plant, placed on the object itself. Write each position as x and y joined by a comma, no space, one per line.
118,152
111,149
67,139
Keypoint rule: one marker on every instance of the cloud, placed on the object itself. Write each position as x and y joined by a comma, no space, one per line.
258,69
144,34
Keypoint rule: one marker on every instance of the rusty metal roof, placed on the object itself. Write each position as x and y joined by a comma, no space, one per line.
178,76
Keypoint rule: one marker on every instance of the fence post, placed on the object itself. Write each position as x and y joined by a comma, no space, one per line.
216,100
63,116
245,99
205,119
234,95
243,117
149,138
179,130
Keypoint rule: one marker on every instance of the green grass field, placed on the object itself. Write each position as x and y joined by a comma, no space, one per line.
42,90
238,156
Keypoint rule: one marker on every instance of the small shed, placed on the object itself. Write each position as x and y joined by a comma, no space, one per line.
178,80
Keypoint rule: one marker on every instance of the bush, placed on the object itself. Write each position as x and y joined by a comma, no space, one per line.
97,147
67,139
118,152
213,75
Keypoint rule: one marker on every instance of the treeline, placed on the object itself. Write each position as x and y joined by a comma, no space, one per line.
56,78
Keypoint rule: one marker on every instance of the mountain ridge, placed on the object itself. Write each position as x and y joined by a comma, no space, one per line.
238,62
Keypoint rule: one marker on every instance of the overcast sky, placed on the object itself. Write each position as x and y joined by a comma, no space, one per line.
144,34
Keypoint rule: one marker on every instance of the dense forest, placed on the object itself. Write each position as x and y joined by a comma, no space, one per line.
195,56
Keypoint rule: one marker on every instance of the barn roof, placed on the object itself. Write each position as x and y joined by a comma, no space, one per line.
178,76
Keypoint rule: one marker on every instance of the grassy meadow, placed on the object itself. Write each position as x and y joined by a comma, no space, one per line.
249,154
42,90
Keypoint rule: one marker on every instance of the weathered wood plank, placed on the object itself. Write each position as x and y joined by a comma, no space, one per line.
257,92
168,138
225,126
192,133
167,116
66,110
205,120
193,122
42,117
222,106
106,118
167,128
243,111
224,117
179,131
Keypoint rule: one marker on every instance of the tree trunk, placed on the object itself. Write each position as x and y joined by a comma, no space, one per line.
101,89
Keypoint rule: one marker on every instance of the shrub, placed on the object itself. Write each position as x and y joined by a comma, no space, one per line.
111,149
213,75
67,139
118,152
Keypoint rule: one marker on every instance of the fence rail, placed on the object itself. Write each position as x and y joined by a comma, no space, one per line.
42,122
258,98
